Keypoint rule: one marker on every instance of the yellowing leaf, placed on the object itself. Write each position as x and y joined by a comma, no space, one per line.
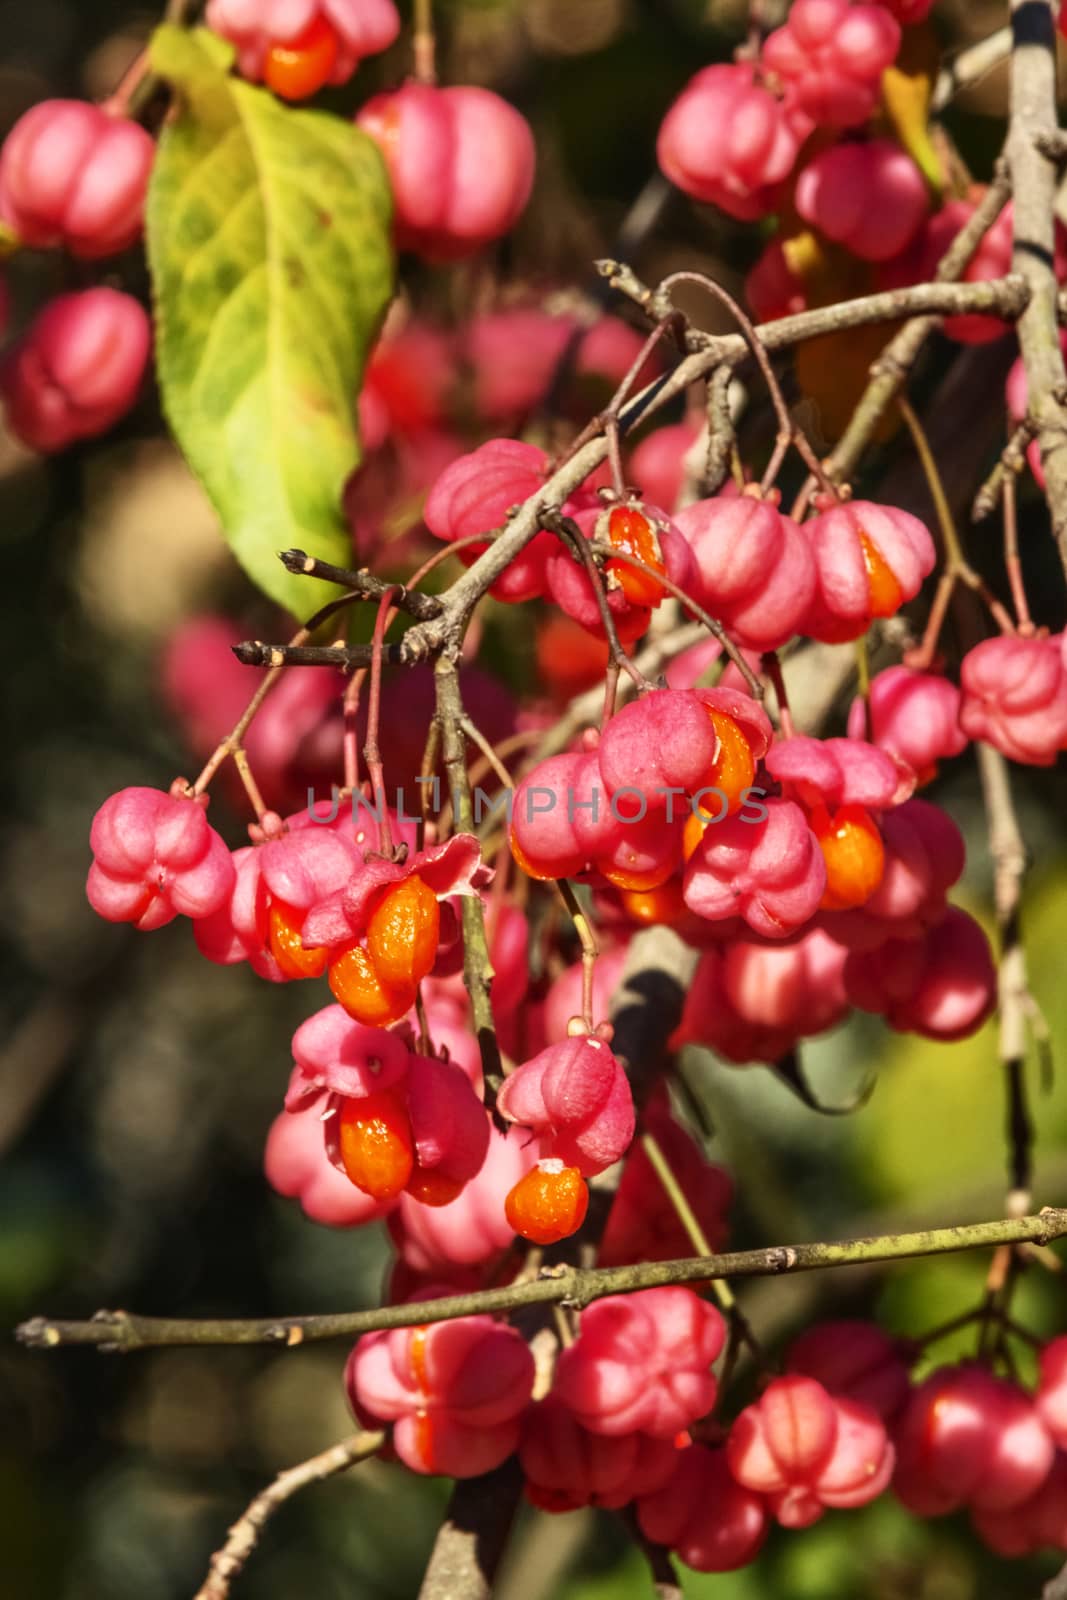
268,241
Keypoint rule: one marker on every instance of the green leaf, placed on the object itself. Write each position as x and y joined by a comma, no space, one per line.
268,241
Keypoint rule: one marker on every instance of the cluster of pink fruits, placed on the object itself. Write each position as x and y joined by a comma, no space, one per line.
806,872
797,132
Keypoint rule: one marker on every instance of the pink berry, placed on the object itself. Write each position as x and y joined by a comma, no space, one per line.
755,569
992,259
72,175
870,197
408,383
336,1055
567,1466
155,856
869,560
704,1515
475,494
942,985
831,54
806,1450
1015,697
575,1096
1051,1397
664,740
360,28
730,141
1039,1523
658,463
770,872
455,1392
838,772
755,1001
969,1438
642,1362
855,1361
514,354
76,372
461,163
914,717
924,857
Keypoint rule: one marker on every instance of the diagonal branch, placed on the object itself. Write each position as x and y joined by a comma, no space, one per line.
228,1562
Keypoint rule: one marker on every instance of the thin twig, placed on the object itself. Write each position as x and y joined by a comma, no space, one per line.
571,1286
228,1562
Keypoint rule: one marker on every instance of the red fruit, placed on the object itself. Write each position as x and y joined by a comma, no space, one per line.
297,45
772,288
704,1515
869,560
461,164
156,856
752,1001
1051,1397
576,1097
566,1466
769,872
941,984
831,55
1014,696
855,1361
455,1392
642,1362
296,1164
76,372
869,197
806,1451
475,494
914,717
730,141
969,1438
755,568
72,175
548,1204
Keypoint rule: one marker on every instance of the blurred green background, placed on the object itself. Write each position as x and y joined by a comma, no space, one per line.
137,1083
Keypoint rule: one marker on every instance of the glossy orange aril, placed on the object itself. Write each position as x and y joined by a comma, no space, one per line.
420,1378
356,984
664,904
283,942
431,1188
548,1204
734,768
854,854
375,1143
631,880
300,68
631,533
887,597
403,933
